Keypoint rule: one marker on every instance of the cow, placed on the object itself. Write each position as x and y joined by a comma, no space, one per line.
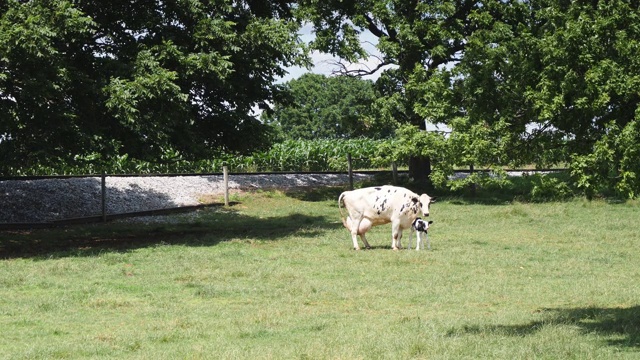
420,226
378,205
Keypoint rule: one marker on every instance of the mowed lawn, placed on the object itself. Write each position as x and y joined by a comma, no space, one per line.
274,277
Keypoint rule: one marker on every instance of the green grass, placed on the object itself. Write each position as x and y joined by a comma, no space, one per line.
274,277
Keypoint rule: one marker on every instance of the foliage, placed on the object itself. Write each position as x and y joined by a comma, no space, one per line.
289,155
518,82
317,106
138,79
417,38
537,82
553,82
317,155
550,188
613,164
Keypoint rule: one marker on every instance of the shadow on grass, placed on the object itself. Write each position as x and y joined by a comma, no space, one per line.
210,228
620,325
316,193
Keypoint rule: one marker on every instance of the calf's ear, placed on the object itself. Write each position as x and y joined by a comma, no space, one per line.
430,222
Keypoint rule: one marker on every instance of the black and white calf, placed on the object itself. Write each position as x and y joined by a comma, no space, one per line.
420,226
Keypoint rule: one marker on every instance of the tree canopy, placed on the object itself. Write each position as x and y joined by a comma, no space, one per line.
316,106
83,80
552,82
418,37
518,82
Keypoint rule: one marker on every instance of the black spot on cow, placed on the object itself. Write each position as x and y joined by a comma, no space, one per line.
378,188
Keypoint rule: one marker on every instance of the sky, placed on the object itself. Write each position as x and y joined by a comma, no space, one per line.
325,63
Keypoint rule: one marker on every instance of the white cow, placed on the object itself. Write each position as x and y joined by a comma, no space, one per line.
380,205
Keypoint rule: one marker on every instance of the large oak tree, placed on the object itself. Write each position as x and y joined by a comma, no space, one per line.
90,80
418,37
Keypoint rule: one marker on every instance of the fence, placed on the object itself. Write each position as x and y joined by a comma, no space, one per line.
100,182
91,198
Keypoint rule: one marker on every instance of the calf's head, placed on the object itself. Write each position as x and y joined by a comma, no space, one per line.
421,225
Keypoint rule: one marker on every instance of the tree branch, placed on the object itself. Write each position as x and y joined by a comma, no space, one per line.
373,27
344,69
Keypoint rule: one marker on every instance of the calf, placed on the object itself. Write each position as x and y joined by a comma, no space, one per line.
420,226
380,205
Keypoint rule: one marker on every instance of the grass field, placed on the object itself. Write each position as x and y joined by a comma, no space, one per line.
274,277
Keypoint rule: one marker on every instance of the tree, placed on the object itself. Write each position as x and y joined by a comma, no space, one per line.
84,80
417,37
554,82
317,106
484,97
589,90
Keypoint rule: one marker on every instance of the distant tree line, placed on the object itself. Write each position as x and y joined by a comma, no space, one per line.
338,107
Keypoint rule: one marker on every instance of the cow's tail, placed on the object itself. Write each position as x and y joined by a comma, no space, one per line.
340,205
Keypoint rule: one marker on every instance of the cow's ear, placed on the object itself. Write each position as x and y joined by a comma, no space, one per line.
432,199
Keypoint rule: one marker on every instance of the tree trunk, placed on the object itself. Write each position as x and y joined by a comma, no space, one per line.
420,169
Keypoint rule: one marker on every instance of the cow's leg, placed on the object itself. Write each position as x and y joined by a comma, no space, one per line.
396,235
418,240
354,237
410,236
355,225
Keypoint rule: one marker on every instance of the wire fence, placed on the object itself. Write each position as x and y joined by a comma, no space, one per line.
49,201
97,193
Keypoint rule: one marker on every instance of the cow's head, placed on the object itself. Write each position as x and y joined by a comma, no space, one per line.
425,203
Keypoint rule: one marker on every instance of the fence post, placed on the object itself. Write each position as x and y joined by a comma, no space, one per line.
473,185
394,169
350,168
225,174
104,196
